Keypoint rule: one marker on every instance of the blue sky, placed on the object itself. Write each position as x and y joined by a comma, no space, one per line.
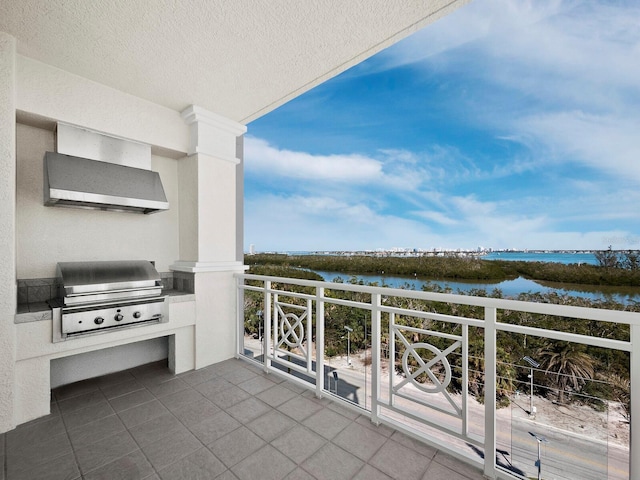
507,124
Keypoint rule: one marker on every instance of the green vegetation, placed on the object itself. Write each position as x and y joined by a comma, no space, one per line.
624,271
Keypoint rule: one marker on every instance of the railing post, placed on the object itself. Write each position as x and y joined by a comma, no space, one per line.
634,427
319,341
490,364
465,380
266,334
239,317
375,356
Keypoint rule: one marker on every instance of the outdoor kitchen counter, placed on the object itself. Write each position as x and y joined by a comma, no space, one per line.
40,311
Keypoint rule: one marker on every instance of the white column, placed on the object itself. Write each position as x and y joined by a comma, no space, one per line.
210,223
8,295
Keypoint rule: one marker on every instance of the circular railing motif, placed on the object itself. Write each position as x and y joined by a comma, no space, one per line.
425,368
290,329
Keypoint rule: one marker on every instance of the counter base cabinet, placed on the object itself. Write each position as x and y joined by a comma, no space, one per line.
42,365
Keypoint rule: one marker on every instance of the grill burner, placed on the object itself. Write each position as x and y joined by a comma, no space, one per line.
96,297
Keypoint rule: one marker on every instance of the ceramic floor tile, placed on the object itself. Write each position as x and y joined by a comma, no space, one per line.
130,400
266,464
170,449
119,389
155,429
299,443
416,445
397,460
155,378
327,423
309,437
360,441
276,395
299,474
381,429
130,467
59,468
300,408
142,413
229,397
178,400
88,415
32,433
236,446
74,389
227,475
32,456
248,410
369,473
201,465
271,425
238,376
332,463
95,431
199,376
167,388
344,411
215,427
80,401
213,387
467,470
256,385
105,451
195,412
436,471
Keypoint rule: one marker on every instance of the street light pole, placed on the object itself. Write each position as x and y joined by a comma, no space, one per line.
349,330
539,462
533,365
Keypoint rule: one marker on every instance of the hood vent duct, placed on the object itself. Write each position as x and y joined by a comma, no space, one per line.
96,171
78,182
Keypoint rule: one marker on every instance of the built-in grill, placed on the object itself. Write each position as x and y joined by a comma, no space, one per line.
98,297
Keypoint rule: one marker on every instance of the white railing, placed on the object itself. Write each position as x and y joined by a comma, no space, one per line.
417,400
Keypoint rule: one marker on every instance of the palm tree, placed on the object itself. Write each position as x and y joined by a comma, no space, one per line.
569,363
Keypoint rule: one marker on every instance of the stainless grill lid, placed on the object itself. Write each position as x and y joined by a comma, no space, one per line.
90,277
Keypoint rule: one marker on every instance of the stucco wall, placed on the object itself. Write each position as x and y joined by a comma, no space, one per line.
7,228
47,235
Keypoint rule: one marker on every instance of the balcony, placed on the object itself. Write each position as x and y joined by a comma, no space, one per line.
411,361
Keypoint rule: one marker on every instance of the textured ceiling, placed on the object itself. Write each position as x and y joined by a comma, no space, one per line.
238,58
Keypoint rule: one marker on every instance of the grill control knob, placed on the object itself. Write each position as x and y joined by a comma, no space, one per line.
98,320
137,314
118,317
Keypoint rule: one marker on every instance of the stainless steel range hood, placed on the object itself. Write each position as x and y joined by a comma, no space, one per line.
79,182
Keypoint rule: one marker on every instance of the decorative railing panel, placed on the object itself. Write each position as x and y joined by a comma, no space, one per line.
417,378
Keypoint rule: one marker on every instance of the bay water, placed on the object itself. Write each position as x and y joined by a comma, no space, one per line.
509,288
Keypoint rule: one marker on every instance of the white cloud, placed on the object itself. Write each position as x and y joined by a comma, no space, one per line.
263,158
604,142
276,222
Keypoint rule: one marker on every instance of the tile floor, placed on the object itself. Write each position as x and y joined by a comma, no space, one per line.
227,421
